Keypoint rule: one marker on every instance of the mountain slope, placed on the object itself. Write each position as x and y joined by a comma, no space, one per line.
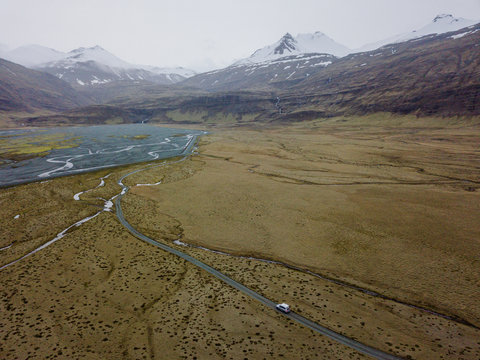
272,74
441,24
285,72
279,65
23,89
435,75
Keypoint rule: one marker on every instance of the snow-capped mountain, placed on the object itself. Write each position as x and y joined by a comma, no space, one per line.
32,55
289,59
92,66
95,65
98,55
301,44
441,24
295,59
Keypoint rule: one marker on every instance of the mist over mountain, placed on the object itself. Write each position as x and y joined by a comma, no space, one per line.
92,66
312,65
292,59
32,55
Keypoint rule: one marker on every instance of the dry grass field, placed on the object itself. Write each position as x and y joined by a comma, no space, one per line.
389,205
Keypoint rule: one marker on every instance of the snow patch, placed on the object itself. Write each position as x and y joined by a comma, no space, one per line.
157,183
10,71
289,76
77,195
322,63
108,205
458,36
98,81
178,242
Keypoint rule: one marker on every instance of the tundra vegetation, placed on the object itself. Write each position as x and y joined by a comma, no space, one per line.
387,204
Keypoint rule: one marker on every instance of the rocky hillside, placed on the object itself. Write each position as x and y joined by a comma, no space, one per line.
433,75
294,59
270,74
26,90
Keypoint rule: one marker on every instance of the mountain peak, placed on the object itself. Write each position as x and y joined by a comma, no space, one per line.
286,44
311,43
441,17
97,54
84,49
77,50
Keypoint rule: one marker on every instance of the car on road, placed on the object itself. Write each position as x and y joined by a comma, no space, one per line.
285,308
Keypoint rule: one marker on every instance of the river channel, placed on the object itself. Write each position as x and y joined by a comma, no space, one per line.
82,149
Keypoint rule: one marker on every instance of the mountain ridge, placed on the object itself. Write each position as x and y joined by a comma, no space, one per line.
24,89
441,24
268,74
91,66
427,75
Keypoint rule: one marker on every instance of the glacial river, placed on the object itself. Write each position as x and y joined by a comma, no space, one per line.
92,148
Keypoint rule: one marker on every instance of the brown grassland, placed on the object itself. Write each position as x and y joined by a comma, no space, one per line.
387,204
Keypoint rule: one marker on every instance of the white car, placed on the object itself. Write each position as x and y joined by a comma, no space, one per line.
285,308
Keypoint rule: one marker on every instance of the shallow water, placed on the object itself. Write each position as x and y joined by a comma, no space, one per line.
97,147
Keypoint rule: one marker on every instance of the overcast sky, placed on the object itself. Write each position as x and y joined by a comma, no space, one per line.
202,34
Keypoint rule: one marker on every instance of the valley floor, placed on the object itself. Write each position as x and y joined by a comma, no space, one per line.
390,207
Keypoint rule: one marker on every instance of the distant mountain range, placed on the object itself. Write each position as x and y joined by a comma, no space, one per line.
92,66
293,59
433,75
434,70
